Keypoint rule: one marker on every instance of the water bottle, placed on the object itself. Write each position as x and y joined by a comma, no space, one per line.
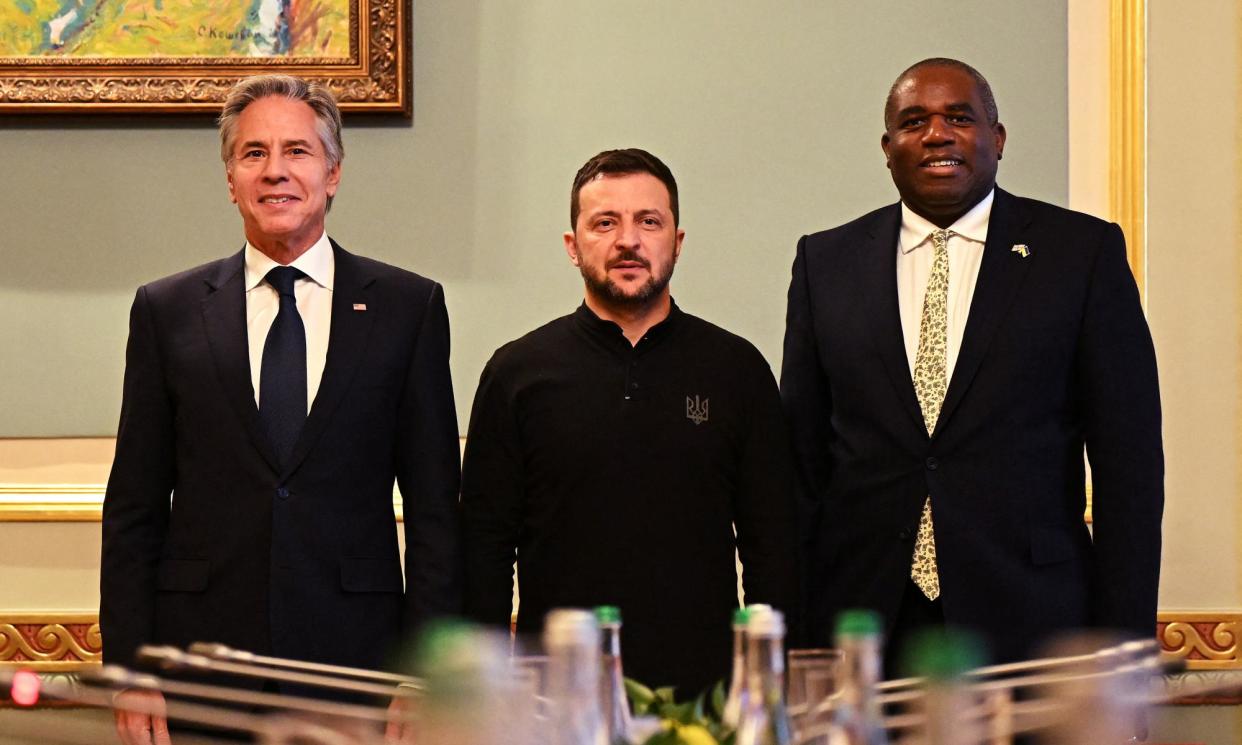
613,703
764,720
572,640
737,681
943,656
471,697
858,715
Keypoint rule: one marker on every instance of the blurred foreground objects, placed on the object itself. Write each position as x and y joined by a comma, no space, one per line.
613,703
472,695
764,720
572,640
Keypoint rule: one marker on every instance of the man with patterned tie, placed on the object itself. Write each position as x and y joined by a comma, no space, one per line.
946,361
275,395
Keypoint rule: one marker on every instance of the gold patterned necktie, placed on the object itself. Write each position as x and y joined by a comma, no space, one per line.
930,383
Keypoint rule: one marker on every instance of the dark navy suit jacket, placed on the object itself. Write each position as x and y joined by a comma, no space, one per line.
300,561
1056,354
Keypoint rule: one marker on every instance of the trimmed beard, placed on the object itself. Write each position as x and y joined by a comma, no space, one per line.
607,290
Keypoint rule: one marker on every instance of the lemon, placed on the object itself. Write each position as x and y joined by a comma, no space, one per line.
694,734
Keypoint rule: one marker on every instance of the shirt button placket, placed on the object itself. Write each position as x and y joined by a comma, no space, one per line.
631,385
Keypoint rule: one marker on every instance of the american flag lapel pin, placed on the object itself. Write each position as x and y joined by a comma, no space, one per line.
1020,249
360,306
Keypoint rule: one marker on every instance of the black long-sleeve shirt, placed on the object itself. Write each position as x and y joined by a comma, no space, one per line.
616,473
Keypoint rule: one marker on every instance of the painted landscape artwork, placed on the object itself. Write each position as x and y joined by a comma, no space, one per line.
183,56
174,28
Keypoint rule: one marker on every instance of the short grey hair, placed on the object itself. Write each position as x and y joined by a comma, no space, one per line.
318,97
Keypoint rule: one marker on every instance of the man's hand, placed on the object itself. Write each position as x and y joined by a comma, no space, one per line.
399,729
134,728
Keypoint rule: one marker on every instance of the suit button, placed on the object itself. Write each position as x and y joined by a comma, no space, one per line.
904,534
282,492
932,464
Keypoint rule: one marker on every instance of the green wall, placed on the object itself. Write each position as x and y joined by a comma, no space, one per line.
768,113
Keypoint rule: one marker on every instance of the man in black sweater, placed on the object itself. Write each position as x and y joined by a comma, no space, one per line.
613,452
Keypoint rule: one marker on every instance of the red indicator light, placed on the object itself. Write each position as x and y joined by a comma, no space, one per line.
26,688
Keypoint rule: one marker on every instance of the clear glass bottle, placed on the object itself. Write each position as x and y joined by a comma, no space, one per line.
732,713
860,638
735,702
613,703
572,640
470,696
943,656
764,720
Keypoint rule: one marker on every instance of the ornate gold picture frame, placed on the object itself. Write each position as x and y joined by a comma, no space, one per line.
182,56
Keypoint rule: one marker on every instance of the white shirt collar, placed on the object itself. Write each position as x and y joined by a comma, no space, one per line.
973,226
317,263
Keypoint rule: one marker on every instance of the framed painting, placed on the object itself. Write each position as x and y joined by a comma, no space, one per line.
82,56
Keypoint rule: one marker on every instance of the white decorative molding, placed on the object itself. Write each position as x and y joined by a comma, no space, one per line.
59,503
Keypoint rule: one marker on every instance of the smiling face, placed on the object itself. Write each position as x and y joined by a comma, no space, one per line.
625,242
279,177
940,147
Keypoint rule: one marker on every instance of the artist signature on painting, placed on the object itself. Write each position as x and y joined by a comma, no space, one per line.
211,32
176,28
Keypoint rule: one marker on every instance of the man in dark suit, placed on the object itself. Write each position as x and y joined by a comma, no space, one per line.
275,395
946,360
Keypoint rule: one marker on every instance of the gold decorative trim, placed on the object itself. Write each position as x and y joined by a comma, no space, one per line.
50,642
1237,170
1205,640
375,77
1128,130
51,502
70,492
68,503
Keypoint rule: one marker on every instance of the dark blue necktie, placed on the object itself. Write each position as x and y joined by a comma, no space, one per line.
282,380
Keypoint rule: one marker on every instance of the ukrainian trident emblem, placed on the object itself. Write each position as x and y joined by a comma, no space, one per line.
696,411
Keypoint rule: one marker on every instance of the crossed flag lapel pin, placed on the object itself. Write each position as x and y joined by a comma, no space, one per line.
360,306
1021,249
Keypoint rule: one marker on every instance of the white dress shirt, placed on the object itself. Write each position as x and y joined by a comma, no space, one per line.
914,263
314,298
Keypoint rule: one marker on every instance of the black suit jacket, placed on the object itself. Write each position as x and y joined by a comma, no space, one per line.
300,562
1056,354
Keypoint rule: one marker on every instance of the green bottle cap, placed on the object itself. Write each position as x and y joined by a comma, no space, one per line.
455,659
608,614
441,643
858,622
942,654
741,616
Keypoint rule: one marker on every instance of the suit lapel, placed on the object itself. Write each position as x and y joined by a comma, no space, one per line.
347,338
1000,275
224,316
879,273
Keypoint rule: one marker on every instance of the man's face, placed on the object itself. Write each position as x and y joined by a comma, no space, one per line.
279,176
625,243
940,147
